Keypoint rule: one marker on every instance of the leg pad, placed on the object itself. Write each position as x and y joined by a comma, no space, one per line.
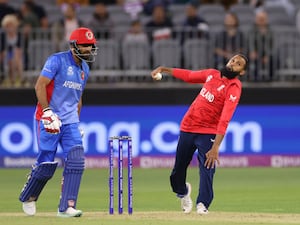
37,180
74,167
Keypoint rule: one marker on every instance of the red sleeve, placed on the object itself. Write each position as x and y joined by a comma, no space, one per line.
232,98
191,76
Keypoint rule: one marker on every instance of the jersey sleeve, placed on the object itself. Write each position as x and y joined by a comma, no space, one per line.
51,67
232,98
191,76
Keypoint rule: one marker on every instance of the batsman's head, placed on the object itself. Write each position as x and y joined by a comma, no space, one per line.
83,44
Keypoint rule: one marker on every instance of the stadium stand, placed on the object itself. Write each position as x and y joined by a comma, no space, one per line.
288,60
166,52
214,14
245,14
39,51
195,52
117,60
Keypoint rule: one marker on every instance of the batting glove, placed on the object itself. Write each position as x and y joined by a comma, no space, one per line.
51,121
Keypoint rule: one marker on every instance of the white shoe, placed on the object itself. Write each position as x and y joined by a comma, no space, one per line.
201,209
70,212
186,201
29,208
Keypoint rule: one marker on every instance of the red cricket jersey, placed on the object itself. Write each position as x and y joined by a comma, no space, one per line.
214,106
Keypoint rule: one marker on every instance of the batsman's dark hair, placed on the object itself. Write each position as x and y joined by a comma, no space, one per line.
246,60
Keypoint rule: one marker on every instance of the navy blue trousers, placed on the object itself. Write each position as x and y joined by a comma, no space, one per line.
188,143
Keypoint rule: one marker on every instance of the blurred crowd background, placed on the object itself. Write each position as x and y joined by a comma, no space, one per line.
135,36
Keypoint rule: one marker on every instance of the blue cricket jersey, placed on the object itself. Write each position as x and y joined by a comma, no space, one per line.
68,80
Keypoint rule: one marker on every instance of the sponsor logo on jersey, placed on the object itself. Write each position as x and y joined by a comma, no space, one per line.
70,71
232,98
73,85
221,87
209,77
207,95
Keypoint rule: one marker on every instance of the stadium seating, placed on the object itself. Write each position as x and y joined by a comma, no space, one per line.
116,58
108,55
39,50
288,59
197,54
136,55
245,14
214,14
167,53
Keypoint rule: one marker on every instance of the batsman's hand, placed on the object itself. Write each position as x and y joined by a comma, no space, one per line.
51,121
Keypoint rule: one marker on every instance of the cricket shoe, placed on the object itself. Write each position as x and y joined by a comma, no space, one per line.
29,208
70,212
201,209
186,201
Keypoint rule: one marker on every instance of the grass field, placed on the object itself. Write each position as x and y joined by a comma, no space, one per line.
242,196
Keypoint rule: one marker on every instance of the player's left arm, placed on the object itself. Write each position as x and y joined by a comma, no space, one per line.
212,156
231,101
79,106
79,110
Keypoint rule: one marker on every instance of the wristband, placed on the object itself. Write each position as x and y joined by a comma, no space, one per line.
46,109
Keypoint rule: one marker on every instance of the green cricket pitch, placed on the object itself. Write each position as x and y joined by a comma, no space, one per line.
242,196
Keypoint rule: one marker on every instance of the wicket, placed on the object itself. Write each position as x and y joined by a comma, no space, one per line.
120,140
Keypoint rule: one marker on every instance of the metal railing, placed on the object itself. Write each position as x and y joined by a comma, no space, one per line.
271,58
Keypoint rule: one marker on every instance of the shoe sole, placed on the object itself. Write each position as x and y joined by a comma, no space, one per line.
202,213
63,215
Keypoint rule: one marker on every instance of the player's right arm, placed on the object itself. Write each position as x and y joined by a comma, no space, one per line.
50,120
45,82
41,91
189,76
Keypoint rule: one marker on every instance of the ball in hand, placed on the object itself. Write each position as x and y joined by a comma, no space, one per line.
158,76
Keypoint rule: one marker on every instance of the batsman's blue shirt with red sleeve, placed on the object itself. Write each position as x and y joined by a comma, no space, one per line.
68,80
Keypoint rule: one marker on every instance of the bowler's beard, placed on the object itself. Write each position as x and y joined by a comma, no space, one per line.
227,72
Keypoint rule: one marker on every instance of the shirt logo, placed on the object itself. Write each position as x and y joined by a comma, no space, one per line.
232,98
221,87
82,75
209,77
73,85
70,71
207,95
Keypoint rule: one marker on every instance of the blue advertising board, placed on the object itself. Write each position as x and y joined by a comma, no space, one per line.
254,129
